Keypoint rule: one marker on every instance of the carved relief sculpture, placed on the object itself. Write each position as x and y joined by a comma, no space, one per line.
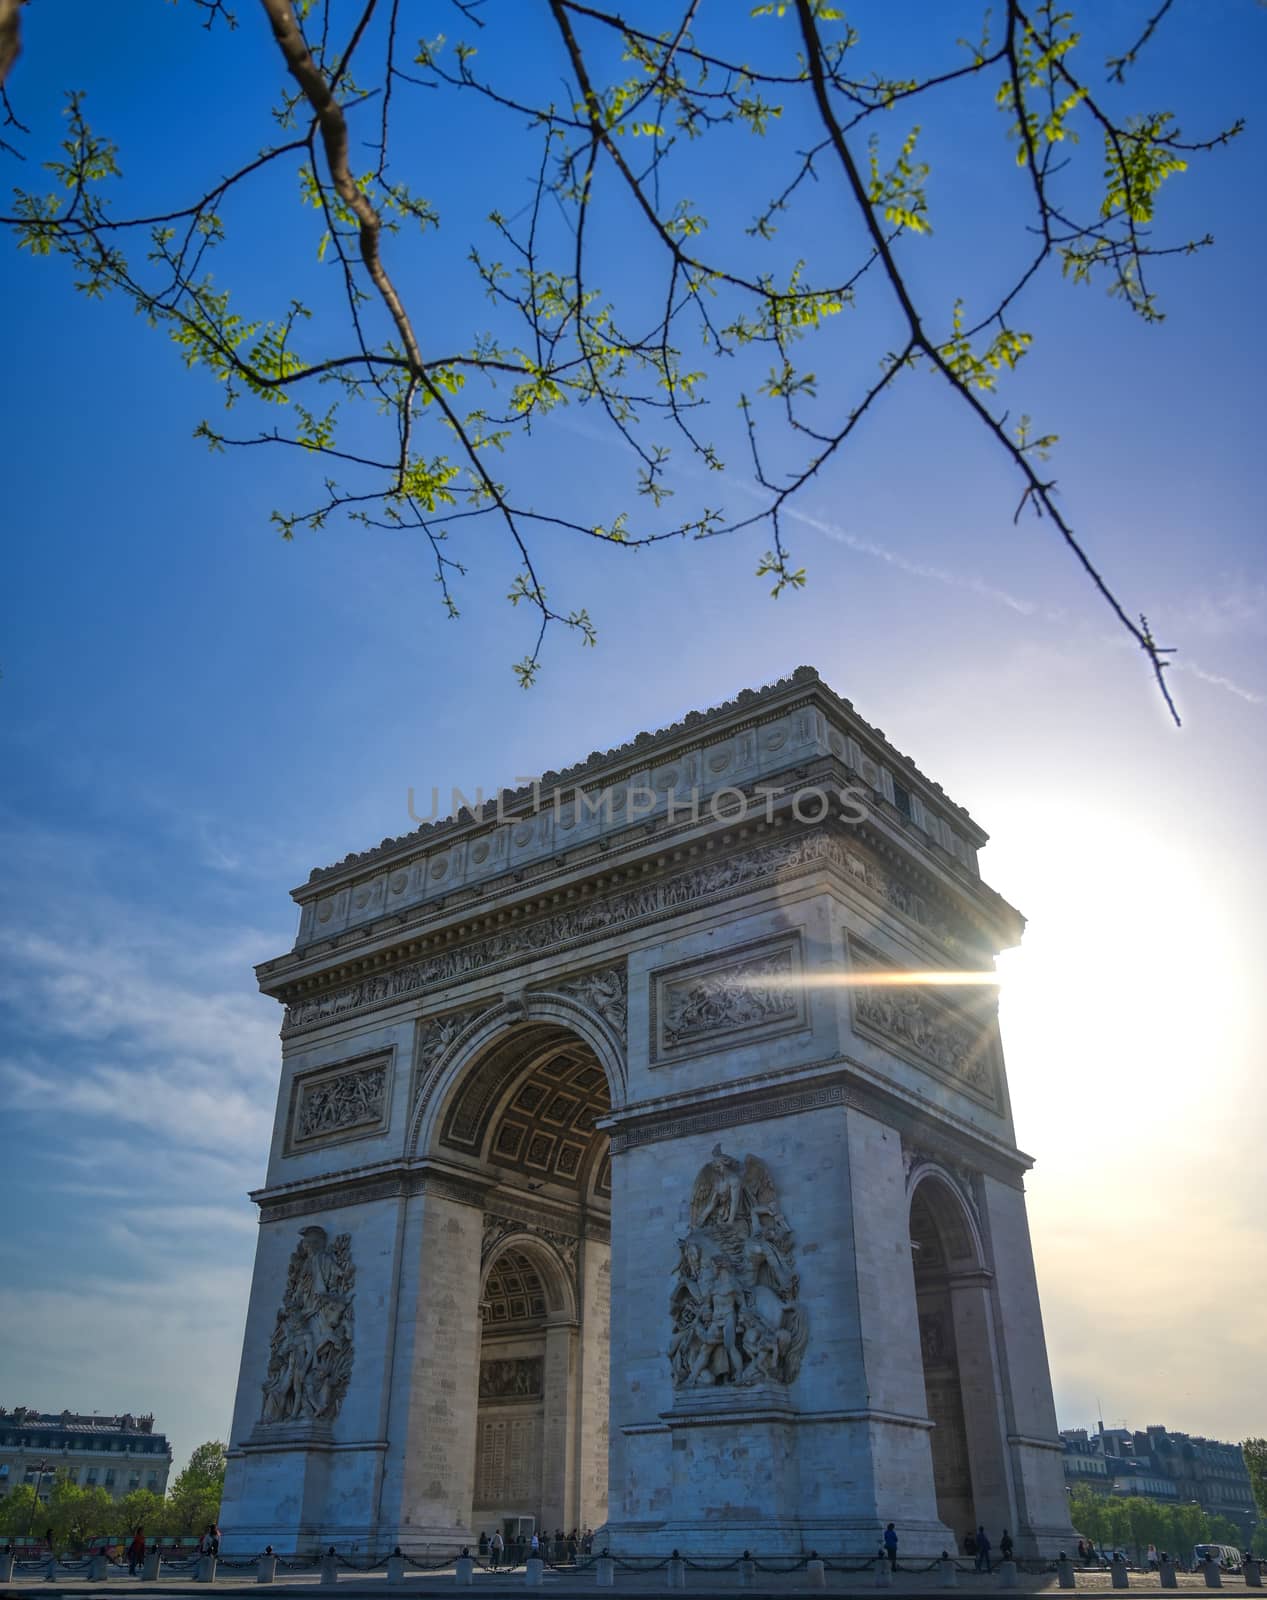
310,1357
342,1104
733,1306
605,992
512,1378
746,994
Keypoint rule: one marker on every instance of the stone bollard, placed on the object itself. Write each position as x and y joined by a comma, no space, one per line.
1121,1577
330,1567
6,1566
534,1570
747,1572
883,1576
1253,1571
98,1568
675,1572
605,1572
464,1571
1167,1573
1065,1576
206,1570
815,1573
1210,1572
396,1567
1009,1576
948,1571
152,1567
266,1569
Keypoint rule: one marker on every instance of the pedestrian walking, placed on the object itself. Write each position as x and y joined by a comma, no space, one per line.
136,1552
535,1545
1005,1545
983,1550
495,1547
890,1546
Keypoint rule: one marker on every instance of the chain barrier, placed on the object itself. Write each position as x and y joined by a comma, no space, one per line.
582,1565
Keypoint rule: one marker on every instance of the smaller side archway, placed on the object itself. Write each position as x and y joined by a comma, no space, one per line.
527,1402
962,1382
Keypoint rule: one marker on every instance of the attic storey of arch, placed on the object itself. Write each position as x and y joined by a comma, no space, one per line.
704,232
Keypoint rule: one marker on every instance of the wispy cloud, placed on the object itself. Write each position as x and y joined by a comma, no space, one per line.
916,569
1218,679
141,1071
1212,616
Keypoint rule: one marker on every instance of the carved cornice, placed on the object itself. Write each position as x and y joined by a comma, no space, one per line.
772,854
358,1186
777,856
401,1180
649,745
758,1107
837,1081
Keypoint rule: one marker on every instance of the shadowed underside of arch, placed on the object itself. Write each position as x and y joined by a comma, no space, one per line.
514,1294
942,1238
531,1105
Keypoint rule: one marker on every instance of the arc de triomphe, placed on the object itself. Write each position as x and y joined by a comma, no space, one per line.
619,1178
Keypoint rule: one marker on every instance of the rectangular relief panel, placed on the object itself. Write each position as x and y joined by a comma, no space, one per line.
348,1100
733,998
955,1040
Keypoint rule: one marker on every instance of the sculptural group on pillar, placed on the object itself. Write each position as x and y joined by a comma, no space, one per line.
734,1308
310,1355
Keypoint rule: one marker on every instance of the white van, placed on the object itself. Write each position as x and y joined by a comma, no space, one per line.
1228,1558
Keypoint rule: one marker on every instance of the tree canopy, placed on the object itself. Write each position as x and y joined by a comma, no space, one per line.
77,1514
1255,1453
729,213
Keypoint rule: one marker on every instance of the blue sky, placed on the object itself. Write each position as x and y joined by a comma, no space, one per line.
193,714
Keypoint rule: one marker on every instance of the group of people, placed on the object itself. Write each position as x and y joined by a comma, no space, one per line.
974,1544
558,1547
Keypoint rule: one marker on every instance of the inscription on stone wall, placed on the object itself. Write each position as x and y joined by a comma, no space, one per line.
508,1463
343,1101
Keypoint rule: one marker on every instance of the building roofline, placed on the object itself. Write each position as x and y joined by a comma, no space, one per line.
635,753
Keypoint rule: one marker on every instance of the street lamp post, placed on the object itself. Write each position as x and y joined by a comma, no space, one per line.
40,1471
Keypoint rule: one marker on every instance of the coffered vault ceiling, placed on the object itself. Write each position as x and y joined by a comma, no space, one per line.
530,1106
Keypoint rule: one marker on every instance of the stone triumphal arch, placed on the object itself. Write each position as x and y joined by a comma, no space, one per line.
630,1171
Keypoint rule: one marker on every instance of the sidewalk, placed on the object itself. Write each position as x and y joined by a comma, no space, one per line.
700,1584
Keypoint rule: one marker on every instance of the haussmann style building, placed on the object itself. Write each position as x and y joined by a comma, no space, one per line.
630,1170
117,1454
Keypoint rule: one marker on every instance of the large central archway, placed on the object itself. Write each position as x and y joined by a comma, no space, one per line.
519,1109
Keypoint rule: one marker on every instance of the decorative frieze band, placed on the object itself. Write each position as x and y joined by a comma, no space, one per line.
711,880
